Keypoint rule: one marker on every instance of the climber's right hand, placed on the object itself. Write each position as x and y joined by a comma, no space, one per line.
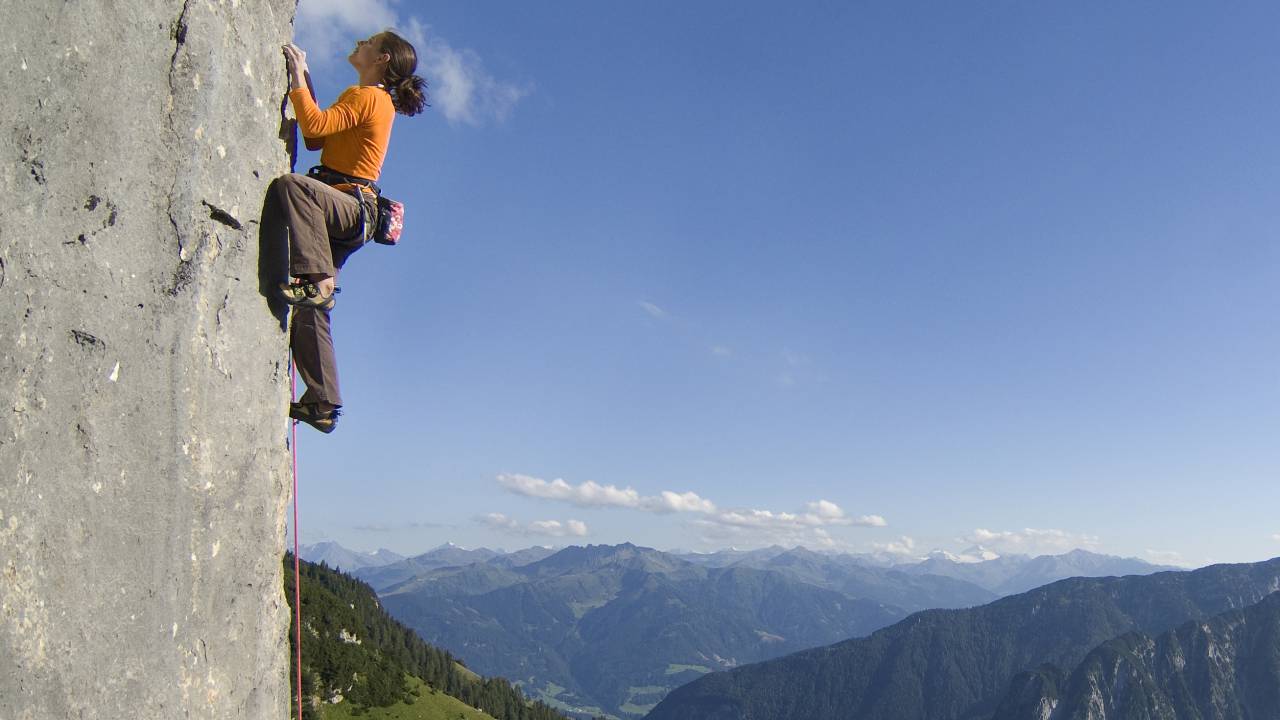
296,62
295,56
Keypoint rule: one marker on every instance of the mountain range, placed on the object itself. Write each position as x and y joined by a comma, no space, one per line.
1012,574
998,574
612,629
970,664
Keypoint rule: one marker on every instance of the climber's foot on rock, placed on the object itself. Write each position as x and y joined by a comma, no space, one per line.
321,416
309,294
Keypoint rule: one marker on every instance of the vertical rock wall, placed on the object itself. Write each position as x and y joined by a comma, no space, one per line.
143,383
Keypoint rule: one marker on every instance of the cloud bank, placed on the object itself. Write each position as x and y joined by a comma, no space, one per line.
1166,557
1030,541
591,494
806,526
539,528
902,549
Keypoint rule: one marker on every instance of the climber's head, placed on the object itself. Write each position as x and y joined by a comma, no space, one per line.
390,60
408,91
368,58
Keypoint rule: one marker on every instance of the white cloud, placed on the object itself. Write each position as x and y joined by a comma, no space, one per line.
830,511
766,527
721,350
652,309
826,509
1165,557
1031,541
753,526
327,29
816,514
459,85
1276,537
500,521
685,502
555,528
588,494
544,528
716,533
904,548
975,554
592,494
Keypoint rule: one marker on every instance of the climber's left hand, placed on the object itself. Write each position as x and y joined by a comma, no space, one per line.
296,60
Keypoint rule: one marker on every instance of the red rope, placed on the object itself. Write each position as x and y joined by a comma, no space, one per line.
297,574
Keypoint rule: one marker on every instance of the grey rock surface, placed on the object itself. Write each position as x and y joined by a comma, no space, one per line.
143,381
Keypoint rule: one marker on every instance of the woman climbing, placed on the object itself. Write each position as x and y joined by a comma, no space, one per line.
325,220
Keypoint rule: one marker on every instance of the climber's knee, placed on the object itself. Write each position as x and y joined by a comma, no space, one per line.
287,185
282,183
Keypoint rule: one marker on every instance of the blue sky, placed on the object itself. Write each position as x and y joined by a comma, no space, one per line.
877,277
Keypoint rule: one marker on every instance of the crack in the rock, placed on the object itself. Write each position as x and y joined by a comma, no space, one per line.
183,275
222,216
179,32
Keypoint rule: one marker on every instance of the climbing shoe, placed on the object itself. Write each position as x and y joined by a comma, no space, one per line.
306,294
326,421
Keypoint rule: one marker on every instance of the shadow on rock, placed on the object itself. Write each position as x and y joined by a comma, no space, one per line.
273,255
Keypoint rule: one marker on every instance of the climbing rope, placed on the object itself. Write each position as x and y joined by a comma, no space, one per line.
297,574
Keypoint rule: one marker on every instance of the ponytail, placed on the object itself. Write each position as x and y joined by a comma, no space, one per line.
408,91
408,94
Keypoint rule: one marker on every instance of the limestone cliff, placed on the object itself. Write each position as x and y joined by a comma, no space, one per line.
142,374
1226,667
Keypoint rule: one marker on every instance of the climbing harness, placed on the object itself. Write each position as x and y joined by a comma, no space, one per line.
386,225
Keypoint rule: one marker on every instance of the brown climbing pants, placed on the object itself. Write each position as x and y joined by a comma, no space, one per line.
324,225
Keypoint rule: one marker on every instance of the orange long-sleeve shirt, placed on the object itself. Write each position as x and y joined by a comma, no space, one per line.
356,129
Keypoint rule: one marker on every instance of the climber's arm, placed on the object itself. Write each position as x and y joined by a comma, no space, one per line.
312,143
314,122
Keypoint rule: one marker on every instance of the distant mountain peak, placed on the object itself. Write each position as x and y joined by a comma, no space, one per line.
979,553
1082,553
335,555
975,554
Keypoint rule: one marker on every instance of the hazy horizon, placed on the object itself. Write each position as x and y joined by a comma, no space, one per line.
965,556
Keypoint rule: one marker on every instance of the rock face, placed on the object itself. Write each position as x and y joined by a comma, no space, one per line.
143,381
1226,667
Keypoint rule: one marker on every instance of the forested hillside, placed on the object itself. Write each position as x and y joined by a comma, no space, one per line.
1225,667
357,656
958,664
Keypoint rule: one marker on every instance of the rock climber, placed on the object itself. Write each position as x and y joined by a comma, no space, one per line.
324,218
